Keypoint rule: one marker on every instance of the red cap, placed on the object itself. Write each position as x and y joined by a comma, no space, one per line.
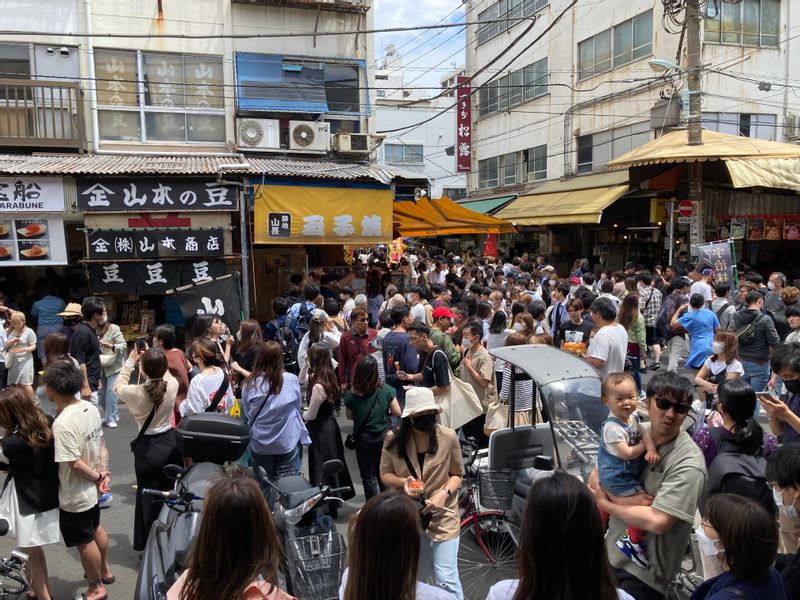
442,311
575,280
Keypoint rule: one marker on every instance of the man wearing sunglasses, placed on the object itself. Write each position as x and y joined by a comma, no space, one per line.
675,484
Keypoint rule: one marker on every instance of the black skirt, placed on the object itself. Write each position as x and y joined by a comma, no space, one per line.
326,444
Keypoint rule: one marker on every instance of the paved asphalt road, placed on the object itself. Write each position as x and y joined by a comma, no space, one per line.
64,565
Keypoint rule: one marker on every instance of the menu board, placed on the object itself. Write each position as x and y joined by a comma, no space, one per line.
26,241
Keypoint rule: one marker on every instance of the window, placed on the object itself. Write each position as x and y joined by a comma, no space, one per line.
747,23
403,154
15,61
624,43
159,97
513,89
761,126
596,150
487,172
537,163
381,93
508,169
275,83
505,9
455,193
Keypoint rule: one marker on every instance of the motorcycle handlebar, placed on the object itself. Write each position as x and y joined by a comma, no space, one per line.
159,493
340,490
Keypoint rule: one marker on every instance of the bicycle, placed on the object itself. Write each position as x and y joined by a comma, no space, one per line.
487,551
13,581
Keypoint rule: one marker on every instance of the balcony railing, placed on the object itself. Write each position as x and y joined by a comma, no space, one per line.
346,6
41,114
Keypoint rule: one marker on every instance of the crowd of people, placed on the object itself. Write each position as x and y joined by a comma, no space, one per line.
394,357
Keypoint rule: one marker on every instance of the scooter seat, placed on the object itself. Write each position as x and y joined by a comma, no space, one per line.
295,489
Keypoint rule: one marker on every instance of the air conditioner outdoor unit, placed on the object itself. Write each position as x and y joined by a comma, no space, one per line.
352,143
258,134
309,136
792,131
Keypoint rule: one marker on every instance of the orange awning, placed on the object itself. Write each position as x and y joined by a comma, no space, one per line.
442,216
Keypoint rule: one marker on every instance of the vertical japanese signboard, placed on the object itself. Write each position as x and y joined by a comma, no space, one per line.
464,125
720,257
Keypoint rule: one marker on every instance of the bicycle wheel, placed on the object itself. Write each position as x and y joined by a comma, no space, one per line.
481,566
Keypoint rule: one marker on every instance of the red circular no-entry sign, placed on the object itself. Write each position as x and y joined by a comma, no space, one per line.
685,208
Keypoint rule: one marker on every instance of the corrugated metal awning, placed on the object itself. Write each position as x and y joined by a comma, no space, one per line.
116,164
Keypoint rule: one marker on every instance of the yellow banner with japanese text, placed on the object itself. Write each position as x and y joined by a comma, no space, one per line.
287,214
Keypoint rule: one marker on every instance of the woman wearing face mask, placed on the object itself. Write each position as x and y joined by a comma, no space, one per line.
498,332
783,476
112,346
723,363
523,323
423,460
744,537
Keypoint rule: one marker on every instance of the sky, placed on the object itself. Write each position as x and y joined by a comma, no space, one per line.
429,54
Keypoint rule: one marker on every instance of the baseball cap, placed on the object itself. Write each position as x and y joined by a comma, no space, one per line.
319,315
708,272
548,268
442,311
575,280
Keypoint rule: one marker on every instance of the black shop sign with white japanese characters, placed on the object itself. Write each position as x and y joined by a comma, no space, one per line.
154,195
152,277
131,243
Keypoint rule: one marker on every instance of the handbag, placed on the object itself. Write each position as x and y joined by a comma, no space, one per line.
350,440
496,417
146,424
460,403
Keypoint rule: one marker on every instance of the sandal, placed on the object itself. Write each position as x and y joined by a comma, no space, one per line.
105,580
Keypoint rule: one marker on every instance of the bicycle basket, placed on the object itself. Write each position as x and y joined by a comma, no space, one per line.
316,564
496,488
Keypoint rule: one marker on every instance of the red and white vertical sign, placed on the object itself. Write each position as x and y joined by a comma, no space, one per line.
464,125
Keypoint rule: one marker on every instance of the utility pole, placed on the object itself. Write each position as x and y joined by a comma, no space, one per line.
694,125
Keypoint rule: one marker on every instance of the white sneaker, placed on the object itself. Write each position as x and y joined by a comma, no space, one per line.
112,424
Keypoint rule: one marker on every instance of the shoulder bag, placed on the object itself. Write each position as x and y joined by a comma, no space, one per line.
425,518
142,431
496,417
350,440
460,403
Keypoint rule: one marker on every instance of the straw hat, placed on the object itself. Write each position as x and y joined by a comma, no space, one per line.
73,309
419,399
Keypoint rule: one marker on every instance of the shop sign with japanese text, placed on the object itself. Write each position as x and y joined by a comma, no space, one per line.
129,243
154,195
286,214
464,125
152,277
34,242
719,257
31,194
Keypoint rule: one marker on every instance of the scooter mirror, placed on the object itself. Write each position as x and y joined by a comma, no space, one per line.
174,472
332,467
262,475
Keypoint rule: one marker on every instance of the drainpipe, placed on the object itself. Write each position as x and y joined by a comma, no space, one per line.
786,69
87,10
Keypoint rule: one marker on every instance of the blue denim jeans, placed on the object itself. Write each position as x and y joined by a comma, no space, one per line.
756,374
108,399
443,558
273,463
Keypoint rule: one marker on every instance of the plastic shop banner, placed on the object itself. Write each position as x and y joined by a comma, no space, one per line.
26,241
286,214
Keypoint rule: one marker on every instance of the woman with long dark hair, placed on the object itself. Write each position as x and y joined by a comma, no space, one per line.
30,493
422,457
384,552
236,553
271,402
368,400
323,395
246,348
151,405
560,508
210,378
498,332
632,320
56,348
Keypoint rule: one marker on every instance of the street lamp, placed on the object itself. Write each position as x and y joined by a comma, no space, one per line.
660,65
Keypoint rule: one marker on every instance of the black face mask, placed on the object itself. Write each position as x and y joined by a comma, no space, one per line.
424,422
793,386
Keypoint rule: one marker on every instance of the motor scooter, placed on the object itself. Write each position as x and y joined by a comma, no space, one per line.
210,440
313,551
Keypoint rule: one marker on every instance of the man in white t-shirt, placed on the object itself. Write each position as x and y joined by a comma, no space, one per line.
82,473
608,347
703,286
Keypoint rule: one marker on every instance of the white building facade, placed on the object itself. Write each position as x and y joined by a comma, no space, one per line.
583,94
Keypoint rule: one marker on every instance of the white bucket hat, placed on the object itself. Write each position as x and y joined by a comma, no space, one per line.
419,399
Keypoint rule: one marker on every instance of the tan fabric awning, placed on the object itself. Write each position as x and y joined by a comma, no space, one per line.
442,216
782,173
580,200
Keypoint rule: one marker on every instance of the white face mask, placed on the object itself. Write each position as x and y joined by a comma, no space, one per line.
790,511
553,283
103,319
770,286
467,343
707,545
717,347
519,327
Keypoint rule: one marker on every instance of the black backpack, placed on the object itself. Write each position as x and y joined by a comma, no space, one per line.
285,337
303,320
747,333
735,472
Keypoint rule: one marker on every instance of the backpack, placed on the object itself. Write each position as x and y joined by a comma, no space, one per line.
735,472
721,310
303,320
285,337
747,334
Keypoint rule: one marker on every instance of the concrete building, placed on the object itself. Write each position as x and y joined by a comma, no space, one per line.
426,150
583,94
